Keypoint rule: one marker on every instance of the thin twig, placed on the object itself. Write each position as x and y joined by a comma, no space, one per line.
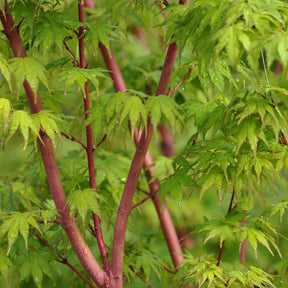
42,240
132,269
72,138
142,190
70,51
101,141
66,262
223,242
141,202
178,85
50,221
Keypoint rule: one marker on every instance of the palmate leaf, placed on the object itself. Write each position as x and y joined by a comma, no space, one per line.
280,208
51,28
100,31
142,261
48,121
22,120
5,110
250,276
83,200
134,110
81,76
255,235
172,185
5,69
30,69
5,266
16,223
204,270
36,266
163,106
147,262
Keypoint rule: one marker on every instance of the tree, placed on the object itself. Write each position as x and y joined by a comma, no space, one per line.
202,77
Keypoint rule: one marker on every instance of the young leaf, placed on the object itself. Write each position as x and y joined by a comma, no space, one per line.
5,110
135,110
47,121
163,105
21,119
30,69
15,223
83,200
81,76
5,70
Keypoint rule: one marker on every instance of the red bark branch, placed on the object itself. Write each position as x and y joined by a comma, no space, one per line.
72,138
141,202
89,137
76,239
126,203
163,213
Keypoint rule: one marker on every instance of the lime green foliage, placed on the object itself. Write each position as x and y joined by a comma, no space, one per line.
31,70
48,121
205,273
142,261
36,266
23,121
82,201
4,69
81,76
132,108
18,222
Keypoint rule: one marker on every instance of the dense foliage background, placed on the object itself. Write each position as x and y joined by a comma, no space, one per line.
216,127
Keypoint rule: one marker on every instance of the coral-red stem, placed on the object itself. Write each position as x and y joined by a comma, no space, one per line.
89,137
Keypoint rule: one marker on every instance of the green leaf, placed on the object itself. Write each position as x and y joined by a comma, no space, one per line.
30,69
6,267
15,223
81,76
36,264
5,70
282,50
280,208
163,105
5,110
37,274
83,200
135,110
21,119
48,121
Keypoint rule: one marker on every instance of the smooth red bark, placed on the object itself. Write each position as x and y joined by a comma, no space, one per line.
89,144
